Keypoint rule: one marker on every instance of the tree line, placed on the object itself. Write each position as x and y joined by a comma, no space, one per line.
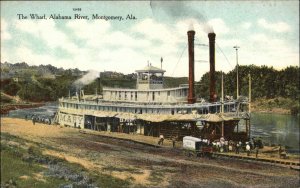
266,82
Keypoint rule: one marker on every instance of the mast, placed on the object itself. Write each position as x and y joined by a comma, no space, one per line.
237,71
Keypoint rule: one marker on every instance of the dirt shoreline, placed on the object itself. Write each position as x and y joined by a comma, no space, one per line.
8,107
279,111
141,165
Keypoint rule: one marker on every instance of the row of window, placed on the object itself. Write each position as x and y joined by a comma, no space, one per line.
134,95
204,110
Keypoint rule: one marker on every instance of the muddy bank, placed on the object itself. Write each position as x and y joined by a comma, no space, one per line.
8,107
143,166
272,111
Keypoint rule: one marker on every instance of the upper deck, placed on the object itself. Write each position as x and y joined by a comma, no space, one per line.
149,89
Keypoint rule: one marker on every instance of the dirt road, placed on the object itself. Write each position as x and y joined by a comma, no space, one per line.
146,166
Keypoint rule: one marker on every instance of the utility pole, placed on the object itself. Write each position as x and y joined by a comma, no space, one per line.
222,108
237,71
222,97
249,92
249,105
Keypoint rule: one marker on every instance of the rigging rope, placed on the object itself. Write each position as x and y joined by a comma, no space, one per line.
179,59
224,55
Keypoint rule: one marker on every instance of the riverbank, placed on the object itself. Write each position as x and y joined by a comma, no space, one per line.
9,103
276,106
5,108
53,156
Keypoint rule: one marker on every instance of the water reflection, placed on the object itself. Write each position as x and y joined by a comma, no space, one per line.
276,129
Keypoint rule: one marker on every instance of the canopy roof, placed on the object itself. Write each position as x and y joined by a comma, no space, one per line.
153,117
151,69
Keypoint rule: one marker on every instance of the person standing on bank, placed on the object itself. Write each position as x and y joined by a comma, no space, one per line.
237,149
248,149
256,151
173,141
161,140
33,120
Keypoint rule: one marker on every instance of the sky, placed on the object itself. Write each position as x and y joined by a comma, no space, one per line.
267,33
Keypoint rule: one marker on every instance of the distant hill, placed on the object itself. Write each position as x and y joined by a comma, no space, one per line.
48,83
25,71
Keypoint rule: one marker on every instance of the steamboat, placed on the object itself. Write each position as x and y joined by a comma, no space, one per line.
152,110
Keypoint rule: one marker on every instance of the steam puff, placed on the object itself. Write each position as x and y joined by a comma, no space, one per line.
191,26
86,79
179,10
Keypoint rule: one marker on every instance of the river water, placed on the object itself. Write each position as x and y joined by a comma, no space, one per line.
271,128
277,129
44,111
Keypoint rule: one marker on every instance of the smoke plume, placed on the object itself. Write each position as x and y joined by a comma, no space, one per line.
86,79
179,10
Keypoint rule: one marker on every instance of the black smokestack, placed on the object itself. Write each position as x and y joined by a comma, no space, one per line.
191,94
212,85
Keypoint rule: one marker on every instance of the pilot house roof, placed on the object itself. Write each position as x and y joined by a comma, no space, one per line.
151,69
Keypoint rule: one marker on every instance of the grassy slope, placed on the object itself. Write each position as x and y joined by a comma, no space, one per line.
21,166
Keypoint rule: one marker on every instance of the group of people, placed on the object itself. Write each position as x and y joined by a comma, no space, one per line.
38,119
223,145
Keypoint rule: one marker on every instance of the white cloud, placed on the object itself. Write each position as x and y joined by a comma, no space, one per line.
153,30
48,32
99,34
262,49
5,35
246,25
279,27
89,30
105,48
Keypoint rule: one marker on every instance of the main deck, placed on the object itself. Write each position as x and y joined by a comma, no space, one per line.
154,119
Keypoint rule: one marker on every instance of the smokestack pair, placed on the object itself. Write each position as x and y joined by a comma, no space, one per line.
212,86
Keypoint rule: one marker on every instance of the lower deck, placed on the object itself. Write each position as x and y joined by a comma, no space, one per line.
231,129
